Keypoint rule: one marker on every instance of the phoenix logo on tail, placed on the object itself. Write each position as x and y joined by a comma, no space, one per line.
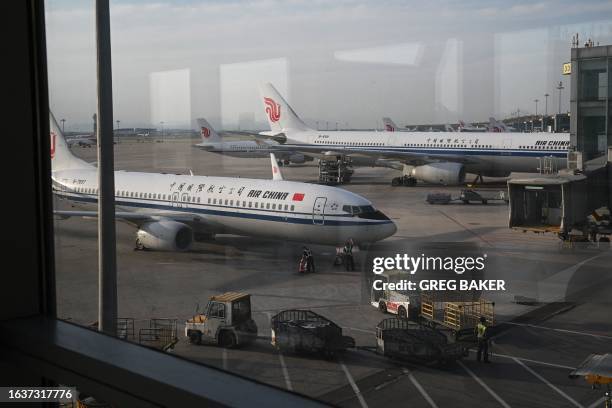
205,132
53,135
273,109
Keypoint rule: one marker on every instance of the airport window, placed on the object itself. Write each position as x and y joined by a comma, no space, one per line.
420,67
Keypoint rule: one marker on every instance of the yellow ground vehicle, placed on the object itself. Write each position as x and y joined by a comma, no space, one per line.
456,316
226,322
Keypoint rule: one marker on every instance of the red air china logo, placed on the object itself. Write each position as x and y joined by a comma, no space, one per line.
298,197
273,109
274,169
205,132
53,136
389,128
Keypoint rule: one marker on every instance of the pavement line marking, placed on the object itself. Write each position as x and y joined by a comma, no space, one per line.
483,385
351,381
224,357
551,385
420,388
281,358
531,361
603,336
597,403
285,372
360,330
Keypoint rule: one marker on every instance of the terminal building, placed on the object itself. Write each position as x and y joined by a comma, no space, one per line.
575,202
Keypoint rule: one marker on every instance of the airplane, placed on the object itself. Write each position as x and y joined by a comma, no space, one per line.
497,126
438,158
86,140
212,142
463,127
390,126
171,211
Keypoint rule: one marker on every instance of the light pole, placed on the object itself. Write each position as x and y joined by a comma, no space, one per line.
63,121
560,88
536,102
336,125
118,124
546,104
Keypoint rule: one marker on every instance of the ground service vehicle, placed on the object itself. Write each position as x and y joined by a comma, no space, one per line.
461,317
226,322
304,331
412,341
394,301
484,196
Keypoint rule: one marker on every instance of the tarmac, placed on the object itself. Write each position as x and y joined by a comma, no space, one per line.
562,316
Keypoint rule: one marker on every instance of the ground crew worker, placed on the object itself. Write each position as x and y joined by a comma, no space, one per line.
483,340
348,255
307,253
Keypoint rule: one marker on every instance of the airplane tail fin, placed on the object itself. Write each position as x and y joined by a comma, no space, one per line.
207,133
61,156
390,126
276,173
278,112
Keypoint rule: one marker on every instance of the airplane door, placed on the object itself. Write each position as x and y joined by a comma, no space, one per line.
175,199
318,211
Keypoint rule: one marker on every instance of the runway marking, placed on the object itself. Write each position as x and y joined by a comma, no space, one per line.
285,372
597,403
224,358
281,359
483,385
551,385
354,386
419,387
603,336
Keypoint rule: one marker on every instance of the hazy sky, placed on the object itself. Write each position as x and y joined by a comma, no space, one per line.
345,61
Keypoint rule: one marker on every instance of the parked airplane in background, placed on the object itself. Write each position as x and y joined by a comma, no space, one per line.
497,126
170,211
85,140
390,126
440,157
212,142
463,127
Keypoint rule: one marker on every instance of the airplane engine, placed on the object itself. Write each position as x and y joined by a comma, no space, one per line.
165,236
297,158
440,173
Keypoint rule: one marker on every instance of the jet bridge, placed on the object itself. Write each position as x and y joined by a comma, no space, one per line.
548,203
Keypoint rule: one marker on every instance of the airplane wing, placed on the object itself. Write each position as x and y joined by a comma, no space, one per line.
136,218
413,158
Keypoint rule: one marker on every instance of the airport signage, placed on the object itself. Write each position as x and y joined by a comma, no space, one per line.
567,68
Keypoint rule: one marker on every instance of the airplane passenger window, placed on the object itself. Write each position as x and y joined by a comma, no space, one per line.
292,207
268,206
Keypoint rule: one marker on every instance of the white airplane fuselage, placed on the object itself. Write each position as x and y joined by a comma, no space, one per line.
487,153
282,210
244,148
